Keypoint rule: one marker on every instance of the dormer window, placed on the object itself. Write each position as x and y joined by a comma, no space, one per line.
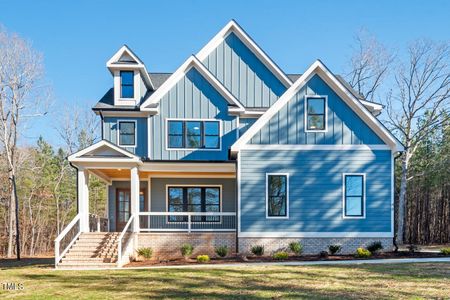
126,84
316,114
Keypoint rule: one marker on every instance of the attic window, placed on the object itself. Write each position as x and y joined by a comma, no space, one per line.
126,84
316,114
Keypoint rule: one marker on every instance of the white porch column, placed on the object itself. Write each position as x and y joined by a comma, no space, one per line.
83,199
134,201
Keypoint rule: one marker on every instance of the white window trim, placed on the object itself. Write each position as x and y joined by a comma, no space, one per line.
135,133
192,149
287,196
306,112
195,185
364,196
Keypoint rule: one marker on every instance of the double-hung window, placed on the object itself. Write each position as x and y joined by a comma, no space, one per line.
193,134
126,133
354,195
193,199
126,84
277,195
316,114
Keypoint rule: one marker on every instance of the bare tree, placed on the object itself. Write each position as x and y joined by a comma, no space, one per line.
416,106
369,65
21,70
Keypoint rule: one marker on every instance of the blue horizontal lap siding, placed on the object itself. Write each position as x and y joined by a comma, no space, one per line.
315,190
110,128
243,74
191,98
288,125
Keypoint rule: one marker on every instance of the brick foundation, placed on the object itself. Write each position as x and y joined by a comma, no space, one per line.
167,245
310,245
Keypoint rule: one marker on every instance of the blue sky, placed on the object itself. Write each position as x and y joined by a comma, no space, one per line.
78,37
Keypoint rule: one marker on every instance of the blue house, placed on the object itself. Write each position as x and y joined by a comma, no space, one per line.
230,150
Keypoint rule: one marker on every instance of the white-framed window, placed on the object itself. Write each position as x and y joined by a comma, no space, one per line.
316,113
354,195
277,195
193,134
126,133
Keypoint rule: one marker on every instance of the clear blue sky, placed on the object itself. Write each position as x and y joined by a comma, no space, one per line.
78,37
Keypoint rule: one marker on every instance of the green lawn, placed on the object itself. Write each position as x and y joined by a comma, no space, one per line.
364,281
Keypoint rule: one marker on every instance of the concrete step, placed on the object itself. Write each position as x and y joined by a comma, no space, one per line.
88,260
85,265
89,255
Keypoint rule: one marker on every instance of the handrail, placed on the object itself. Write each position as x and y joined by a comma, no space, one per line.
122,234
63,233
218,214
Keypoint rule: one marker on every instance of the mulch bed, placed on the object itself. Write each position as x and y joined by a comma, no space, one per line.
256,259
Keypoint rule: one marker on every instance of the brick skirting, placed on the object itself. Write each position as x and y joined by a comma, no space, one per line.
167,245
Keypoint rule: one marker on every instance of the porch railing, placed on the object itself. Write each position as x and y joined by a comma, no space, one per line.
66,238
187,221
98,224
124,239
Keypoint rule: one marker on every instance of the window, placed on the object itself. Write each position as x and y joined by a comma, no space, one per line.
316,119
127,133
277,187
183,134
354,195
126,84
193,199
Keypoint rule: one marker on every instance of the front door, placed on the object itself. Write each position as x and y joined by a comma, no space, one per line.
123,206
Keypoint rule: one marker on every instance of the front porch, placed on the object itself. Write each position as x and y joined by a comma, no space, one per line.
151,197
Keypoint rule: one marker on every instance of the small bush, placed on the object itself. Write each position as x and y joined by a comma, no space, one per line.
375,246
323,254
186,250
445,251
413,248
222,251
203,258
280,255
296,247
145,252
362,253
334,249
257,250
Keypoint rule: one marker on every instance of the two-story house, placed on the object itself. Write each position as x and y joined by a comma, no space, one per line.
230,150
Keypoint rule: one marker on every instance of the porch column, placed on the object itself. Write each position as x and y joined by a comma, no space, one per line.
83,199
134,194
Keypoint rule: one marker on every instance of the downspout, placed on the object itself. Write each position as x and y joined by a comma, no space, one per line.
395,235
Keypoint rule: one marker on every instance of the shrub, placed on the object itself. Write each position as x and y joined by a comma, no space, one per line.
445,251
323,254
362,253
334,249
296,247
280,255
375,246
258,250
222,251
186,250
145,252
413,248
203,258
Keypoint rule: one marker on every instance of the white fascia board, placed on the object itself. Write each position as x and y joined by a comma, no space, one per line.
319,68
344,234
191,62
77,155
232,26
294,147
140,64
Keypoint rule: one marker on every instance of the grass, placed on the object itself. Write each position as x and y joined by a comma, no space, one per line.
401,281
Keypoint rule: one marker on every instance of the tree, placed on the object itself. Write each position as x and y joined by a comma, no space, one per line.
369,65
21,70
417,105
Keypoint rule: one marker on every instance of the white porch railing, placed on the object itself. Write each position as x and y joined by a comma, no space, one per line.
124,238
66,238
187,221
98,224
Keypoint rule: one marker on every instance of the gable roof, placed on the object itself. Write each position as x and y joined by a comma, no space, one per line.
191,62
234,27
106,151
320,69
135,63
